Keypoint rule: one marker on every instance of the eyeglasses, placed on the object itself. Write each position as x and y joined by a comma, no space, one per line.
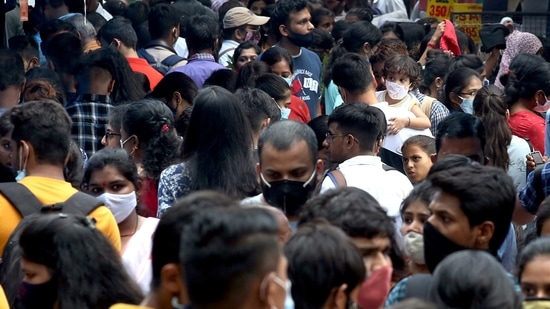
329,136
110,134
473,93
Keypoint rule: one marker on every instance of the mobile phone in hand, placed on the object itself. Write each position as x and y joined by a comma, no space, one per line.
537,157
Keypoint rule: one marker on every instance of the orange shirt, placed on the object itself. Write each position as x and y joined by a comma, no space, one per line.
142,66
50,191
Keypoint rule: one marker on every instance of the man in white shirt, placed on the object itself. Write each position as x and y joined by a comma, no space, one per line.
354,138
239,24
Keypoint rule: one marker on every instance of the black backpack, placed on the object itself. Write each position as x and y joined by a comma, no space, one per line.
30,208
164,66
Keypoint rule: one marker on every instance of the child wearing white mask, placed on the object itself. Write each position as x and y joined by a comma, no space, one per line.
402,75
414,212
111,176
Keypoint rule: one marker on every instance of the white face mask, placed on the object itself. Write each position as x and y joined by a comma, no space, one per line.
396,91
121,205
288,80
414,247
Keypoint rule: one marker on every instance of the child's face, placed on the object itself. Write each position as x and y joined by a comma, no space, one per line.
416,163
399,78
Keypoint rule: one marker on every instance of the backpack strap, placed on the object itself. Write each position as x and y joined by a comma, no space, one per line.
21,198
142,53
81,204
337,178
418,286
171,60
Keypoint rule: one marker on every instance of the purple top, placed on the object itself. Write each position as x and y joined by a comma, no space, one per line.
199,67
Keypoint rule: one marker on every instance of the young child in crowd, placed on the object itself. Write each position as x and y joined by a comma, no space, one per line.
402,75
416,153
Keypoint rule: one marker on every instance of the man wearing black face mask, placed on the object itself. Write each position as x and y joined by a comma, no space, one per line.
472,209
288,166
291,24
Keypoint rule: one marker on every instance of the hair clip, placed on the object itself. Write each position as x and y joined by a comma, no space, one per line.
165,128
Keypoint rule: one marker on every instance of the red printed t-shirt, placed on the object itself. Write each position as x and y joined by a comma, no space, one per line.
528,125
141,66
299,110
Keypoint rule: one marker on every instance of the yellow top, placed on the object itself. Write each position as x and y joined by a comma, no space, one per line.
3,300
50,191
126,306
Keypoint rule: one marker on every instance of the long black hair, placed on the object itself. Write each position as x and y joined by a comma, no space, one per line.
218,145
85,265
153,123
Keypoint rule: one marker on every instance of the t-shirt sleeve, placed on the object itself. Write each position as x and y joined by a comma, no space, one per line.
106,224
327,185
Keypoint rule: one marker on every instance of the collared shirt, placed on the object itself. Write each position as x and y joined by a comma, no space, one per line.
90,116
528,195
389,188
199,67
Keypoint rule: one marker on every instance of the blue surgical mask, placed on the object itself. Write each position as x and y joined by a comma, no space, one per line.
467,105
285,112
288,80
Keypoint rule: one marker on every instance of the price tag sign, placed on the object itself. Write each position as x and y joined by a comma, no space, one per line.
440,9
468,23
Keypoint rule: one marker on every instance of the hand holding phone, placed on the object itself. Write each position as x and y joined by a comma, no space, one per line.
537,157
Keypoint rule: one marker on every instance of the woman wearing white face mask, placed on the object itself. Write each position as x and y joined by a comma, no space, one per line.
414,212
111,175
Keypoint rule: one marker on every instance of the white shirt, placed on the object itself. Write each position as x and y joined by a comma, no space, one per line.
227,51
391,142
389,188
517,150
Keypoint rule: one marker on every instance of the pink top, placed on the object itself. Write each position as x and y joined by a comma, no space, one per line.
528,125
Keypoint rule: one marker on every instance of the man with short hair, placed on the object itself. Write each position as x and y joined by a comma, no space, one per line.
260,109
63,53
119,34
288,167
86,32
239,24
231,258
12,79
201,36
472,209
27,48
291,23
41,140
354,138
371,230
329,273
164,28
353,75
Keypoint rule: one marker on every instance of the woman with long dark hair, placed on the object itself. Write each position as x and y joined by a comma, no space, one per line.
503,149
67,263
148,135
217,151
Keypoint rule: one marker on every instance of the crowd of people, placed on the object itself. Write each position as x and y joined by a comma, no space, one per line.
271,154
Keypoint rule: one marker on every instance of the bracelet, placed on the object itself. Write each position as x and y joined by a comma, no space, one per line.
409,124
432,45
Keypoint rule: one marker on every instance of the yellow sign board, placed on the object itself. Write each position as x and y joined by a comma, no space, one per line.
469,23
440,9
